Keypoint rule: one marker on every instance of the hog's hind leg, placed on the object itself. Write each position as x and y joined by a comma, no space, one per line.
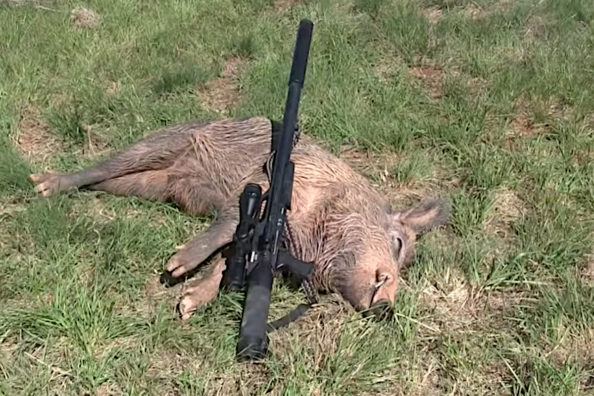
150,185
156,152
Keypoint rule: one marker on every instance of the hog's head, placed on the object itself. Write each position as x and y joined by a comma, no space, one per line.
368,278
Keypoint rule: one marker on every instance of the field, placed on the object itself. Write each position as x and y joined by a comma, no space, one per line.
488,104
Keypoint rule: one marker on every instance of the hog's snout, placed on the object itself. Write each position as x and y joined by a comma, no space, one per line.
371,287
380,310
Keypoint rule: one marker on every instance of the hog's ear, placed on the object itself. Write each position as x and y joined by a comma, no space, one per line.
428,215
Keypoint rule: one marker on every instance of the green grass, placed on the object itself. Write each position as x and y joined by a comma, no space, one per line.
500,302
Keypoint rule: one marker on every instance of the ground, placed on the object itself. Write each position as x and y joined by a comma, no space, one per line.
487,103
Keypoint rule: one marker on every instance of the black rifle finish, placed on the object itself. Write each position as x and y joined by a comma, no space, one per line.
261,248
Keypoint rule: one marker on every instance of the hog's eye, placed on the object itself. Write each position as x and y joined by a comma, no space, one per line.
397,245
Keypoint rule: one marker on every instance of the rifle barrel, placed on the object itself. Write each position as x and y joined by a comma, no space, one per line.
275,211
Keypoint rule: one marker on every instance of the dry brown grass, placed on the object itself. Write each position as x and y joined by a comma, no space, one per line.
385,69
34,138
508,207
83,17
379,168
96,143
524,124
368,164
8,208
431,77
588,270
536,29
476,11
108,390
433,14
453,305
7,349
285,5
572,348
113,87
222,95
319,329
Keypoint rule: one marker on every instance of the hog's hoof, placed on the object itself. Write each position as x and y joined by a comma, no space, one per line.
202,292
186,309
48,183
197,296
182,263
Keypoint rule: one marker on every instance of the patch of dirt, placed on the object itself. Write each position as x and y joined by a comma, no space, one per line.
588,271
127,343
492,380
8,208
524,124
433,14
222,94
454,305
95,142
389,65
583,157
285,5
430,381
378,169
108,390
245,382
155,292
42,356
39,4
370,165
536,29
242,379
588,383
7,349
384,70
171,364
477,86
475,11
507,208
83,17
113,87
508,205
519,55
34,138
431,77
573,348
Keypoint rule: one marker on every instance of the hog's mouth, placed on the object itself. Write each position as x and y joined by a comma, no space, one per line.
380,310
368,306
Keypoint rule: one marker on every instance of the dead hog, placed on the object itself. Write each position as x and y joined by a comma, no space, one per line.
338,221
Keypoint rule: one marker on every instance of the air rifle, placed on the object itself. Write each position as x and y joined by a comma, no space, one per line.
261,241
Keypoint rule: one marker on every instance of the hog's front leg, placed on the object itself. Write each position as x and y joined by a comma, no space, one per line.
202,291
195,252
